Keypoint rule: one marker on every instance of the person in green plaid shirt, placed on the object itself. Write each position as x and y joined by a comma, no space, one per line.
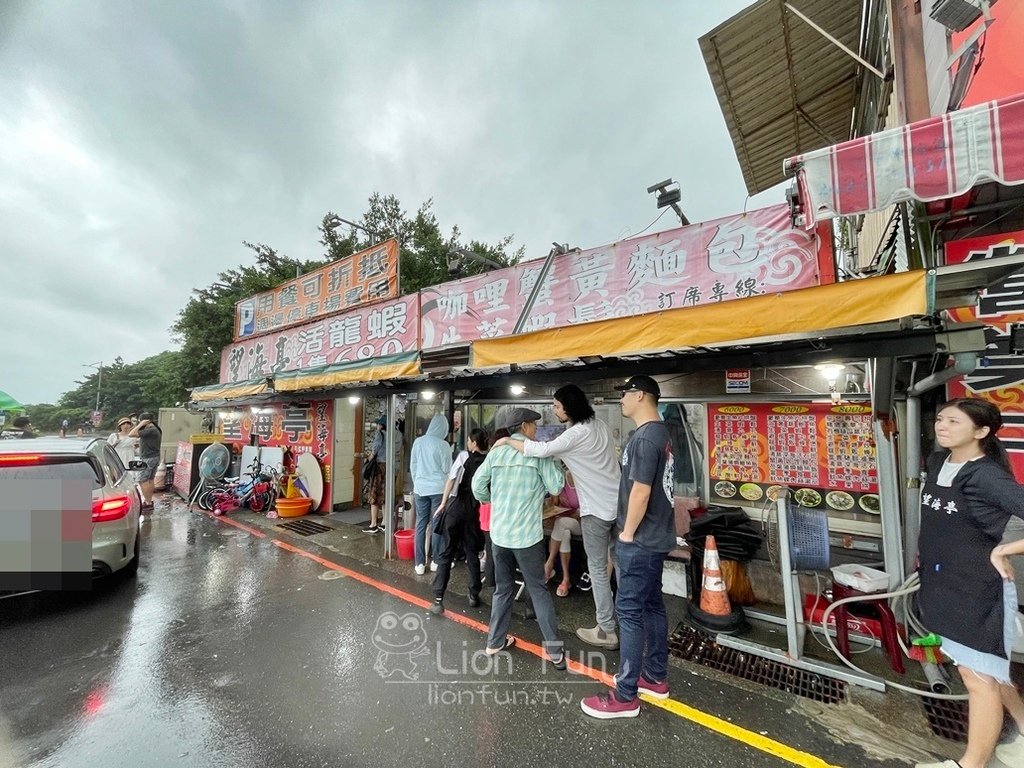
515,486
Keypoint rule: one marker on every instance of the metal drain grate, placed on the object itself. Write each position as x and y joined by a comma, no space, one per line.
305,527
947,719
692,645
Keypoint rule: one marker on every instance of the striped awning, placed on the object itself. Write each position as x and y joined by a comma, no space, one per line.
932,159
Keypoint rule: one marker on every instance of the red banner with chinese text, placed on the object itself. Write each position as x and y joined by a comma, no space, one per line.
383,329
1001,379
730,258
365,277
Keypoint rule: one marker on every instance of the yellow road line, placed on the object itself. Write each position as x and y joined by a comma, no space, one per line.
732,731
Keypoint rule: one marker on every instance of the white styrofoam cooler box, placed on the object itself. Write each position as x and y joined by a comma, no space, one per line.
860,577
674,578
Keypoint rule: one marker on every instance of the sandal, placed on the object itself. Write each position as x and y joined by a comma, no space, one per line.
508,644
563,589
549,574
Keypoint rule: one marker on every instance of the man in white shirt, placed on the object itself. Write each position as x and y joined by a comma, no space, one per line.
588,450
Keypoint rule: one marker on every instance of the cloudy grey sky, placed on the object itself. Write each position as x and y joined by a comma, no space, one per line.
141,142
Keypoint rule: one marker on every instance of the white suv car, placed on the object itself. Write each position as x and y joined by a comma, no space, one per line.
116,503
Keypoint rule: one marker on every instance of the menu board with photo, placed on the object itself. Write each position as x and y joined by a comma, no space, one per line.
824,453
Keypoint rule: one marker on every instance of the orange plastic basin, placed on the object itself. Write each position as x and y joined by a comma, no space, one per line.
293,507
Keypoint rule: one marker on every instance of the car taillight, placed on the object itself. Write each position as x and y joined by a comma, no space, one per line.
21,458
105,510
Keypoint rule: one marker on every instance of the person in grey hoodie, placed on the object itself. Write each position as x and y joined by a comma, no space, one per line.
429,464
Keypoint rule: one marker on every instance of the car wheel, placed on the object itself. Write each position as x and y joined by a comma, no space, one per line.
133,566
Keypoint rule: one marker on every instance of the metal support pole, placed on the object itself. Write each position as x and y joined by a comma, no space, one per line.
390,442
852,54
912,485
528,306
99,382
889,500
796,629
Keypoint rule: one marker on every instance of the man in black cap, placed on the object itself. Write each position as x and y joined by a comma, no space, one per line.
646,523
515,485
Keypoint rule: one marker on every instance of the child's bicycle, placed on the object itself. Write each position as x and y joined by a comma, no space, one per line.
257,492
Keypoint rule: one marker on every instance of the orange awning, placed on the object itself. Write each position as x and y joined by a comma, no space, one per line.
389,368
758,319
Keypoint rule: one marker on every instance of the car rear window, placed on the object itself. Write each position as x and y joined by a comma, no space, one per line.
75,469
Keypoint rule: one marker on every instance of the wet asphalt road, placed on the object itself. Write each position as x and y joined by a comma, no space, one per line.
230,651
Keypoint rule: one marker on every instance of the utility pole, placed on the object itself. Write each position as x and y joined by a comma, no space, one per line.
99,380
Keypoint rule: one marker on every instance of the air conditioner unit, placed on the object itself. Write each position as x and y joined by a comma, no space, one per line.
958,15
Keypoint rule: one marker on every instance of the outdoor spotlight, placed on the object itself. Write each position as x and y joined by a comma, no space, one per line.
427,394
830,371
517,389
668,196
353,399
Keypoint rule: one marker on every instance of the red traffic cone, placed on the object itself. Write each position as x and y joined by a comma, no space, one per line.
714,599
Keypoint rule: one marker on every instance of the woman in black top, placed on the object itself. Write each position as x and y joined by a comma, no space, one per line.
967,591
461,524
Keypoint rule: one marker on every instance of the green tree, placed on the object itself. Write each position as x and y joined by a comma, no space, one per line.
424,248
206,324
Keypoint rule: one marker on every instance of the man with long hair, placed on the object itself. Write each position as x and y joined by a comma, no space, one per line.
588,450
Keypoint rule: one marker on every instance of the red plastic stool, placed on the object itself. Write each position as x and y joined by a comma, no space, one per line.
880,609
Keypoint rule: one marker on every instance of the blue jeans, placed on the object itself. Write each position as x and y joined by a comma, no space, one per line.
643,626
425,507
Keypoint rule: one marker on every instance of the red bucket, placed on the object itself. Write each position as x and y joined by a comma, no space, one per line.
405,543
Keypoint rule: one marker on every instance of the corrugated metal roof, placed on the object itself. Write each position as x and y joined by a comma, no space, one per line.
783,88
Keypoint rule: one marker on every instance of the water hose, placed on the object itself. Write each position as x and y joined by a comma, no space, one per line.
936,676
908,587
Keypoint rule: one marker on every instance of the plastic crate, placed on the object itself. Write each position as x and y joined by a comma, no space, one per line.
808,538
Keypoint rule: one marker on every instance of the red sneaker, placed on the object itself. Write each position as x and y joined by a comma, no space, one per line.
654,690
606,706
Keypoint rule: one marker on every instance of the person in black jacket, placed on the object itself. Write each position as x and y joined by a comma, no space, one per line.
461,521
968,595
